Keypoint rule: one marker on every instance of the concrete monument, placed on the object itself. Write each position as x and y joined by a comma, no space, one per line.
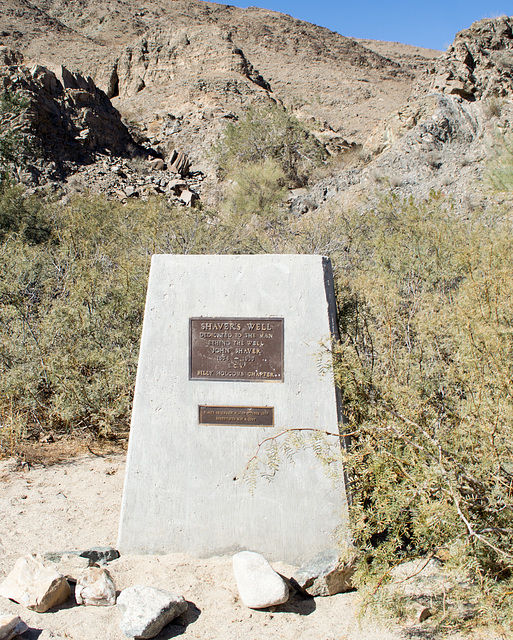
229,356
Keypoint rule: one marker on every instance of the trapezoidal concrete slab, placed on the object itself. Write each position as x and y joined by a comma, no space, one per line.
230,357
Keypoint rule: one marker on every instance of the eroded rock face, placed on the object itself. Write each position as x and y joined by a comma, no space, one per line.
192,56
68,118
479,63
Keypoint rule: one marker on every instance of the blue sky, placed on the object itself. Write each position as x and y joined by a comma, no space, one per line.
430,24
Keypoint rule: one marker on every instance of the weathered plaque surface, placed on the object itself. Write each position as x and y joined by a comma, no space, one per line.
237,416
246,349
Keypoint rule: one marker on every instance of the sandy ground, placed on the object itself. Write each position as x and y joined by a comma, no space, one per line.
75,505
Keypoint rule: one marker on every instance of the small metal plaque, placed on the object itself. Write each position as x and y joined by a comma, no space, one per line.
246,349
237,416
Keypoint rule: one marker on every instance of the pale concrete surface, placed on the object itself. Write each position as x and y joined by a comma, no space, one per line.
180,494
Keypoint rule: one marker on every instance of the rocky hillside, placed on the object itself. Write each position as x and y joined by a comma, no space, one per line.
178,70
319,73
442,140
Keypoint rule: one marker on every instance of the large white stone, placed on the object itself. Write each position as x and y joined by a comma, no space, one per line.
95,586
35,586
146,610
180,492
258,583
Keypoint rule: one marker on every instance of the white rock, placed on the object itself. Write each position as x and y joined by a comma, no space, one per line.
187,197
35,586
11,626
146,610
95,586
156,164
258,583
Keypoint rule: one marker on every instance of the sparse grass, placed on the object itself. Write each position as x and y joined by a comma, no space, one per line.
500,167
385,179
494,107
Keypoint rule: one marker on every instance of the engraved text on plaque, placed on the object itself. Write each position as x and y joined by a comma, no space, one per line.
237,416
247,349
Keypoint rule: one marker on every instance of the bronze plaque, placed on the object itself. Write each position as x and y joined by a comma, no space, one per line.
247,349
237,416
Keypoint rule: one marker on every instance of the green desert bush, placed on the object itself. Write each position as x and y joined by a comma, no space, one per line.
270,133
256,189
71,310
260,157
253,207
22,215
426,370
72,295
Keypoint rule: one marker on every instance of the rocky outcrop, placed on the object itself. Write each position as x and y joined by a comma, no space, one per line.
477,66
190,58
67,118
439,139
479,63
177,87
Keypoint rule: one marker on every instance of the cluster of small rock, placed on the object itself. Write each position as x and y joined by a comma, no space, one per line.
41,583
122,178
